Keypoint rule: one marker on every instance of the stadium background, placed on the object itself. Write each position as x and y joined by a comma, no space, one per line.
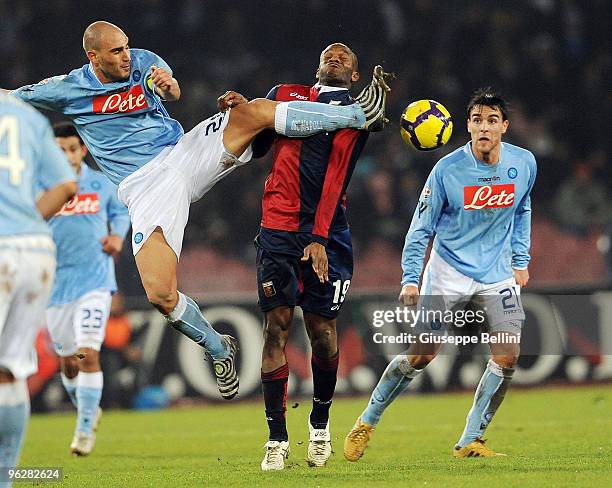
551,60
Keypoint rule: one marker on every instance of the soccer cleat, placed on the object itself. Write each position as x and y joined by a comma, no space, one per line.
225,371
319,446
276,453
475,449
82,444
357,440
373,98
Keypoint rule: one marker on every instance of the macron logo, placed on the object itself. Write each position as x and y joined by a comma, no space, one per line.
491,196
129,101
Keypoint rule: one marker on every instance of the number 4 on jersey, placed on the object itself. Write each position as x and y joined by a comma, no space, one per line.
11,161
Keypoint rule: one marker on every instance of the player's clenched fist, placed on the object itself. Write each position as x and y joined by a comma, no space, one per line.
161,78
230,99
409,295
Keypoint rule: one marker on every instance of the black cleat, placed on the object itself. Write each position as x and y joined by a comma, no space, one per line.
373,98
225,371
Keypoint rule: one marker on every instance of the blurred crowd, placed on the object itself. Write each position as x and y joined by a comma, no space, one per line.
550,58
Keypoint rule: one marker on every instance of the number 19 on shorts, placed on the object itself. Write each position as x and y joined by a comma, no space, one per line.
340,289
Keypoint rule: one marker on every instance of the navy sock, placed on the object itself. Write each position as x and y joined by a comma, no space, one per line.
324,375
274,385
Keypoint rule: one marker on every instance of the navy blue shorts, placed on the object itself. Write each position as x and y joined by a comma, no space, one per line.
284,280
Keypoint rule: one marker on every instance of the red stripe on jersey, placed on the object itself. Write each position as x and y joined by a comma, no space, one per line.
335,178
281,202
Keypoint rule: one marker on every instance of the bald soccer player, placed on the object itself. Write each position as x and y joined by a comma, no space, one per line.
116,103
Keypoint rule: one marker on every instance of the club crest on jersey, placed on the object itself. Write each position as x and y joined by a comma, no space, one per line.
81,204
128,101
268,289
490,196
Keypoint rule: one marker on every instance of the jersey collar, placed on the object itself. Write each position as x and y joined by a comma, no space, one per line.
113,85
92,76
468,150
324,88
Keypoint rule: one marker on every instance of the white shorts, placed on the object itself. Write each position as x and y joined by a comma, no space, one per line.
81,323
27,271
501,302
159,193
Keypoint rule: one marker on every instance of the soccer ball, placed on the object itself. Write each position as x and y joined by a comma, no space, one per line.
426,125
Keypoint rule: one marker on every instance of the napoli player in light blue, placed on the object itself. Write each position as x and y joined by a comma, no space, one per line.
88,231
29,161
116,104
476,201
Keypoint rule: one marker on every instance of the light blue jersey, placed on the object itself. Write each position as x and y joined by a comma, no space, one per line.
124,124
82,265
29,160
480,213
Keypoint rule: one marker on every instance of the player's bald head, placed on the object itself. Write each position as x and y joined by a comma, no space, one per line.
97,33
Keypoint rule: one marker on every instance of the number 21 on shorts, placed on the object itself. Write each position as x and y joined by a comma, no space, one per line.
510,298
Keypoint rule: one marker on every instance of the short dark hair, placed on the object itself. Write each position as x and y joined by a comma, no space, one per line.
66,129
487,96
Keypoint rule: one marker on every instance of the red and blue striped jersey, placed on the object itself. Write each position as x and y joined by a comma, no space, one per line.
306,188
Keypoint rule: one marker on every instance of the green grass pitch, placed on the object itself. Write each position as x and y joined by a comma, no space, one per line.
553,437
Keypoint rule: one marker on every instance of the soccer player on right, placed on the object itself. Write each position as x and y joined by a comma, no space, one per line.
477,202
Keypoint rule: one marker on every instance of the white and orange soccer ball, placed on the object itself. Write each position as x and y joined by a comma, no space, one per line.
426,125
